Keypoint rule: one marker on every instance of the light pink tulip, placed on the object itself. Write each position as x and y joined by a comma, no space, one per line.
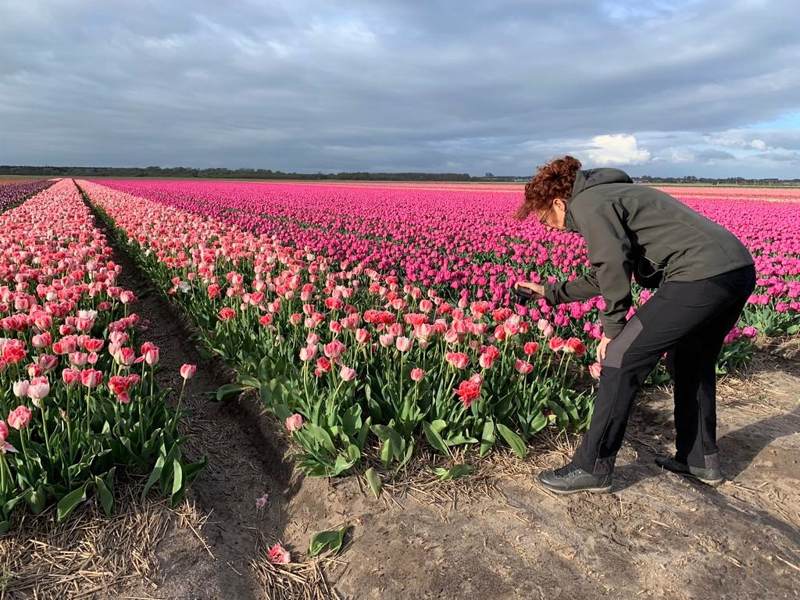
21,388
188,371
38,389
20,417
279,555
294,422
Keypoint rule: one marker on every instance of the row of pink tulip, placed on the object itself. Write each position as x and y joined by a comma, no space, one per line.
78,398
465,244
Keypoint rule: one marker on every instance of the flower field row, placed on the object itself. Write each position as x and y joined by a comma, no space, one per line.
79,408
775,194
13,192
350,356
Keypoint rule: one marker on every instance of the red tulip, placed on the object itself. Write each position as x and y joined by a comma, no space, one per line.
90,378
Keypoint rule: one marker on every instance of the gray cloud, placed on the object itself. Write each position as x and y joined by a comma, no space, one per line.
714,154
781,156
472,86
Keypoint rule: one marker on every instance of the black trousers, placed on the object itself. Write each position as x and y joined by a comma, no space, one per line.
689,320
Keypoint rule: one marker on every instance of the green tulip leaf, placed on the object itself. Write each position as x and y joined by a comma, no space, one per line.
513,440
69,502
434,439
327,540
454,472
374,481
229,390
488,437
105,496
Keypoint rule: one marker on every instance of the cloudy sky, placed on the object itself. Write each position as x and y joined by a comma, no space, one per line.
662,87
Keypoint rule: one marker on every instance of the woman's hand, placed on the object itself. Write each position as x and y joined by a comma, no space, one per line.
536,290
601,349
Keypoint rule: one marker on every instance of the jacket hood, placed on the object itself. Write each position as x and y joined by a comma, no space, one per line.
592,177
589,178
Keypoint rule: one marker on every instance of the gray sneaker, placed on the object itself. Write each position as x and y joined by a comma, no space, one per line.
708,475
570,479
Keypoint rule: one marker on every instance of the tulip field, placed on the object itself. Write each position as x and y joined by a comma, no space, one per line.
382,317
367,318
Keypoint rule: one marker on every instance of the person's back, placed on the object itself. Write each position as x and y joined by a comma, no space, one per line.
662,229
626,225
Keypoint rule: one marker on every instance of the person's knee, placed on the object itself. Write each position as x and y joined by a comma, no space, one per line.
623,343
631,373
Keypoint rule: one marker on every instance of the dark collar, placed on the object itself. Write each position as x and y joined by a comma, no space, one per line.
577,187
579,184
569,221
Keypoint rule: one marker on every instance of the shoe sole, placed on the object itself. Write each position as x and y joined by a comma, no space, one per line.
690,475
597,490
711,482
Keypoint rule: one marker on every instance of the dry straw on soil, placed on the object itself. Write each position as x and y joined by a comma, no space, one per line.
296,581
89,553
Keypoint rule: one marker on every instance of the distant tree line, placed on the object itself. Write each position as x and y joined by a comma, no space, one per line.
692,180
186,172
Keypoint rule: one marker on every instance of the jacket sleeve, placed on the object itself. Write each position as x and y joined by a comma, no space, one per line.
610,254
580,288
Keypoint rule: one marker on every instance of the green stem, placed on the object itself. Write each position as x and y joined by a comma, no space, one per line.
46,434
139,405
566,371
402,357
24,445
306,400
3,472
69,430
88,411
178,409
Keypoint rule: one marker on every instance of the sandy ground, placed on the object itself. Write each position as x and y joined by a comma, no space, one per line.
495,534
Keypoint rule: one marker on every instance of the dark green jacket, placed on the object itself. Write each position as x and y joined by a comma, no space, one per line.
638,230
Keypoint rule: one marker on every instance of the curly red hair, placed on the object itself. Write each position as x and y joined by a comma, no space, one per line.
552,180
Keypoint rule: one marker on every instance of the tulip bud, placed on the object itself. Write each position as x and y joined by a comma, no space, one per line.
21,388
188,371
